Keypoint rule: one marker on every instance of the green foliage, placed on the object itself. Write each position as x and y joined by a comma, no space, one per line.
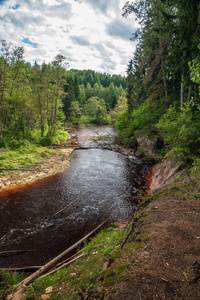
123,122
165,65
95,109
169,36
195,70
142,120
120,107
85,272
93,86
180,130
92,77
23,155
33,97
126,135
146,116
61,137
8,279
75,112
30,96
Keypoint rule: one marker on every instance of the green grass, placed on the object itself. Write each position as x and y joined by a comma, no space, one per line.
7,281
83,274
24,156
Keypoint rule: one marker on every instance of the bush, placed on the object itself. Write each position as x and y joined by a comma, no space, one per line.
3,142
146,116
123,121
180,130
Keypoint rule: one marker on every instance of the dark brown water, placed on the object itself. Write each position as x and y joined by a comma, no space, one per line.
98,182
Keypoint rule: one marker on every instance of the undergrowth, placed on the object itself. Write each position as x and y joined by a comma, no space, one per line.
24,156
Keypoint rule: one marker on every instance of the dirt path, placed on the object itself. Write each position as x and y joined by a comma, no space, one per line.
163,258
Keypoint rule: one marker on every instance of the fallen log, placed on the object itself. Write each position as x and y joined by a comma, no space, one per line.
63,265
69,258
20,287
16,251
21,268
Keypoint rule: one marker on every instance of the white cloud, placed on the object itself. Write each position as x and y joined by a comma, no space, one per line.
90,33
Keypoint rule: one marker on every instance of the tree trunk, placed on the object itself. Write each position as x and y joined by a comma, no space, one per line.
189,93
182,90
164,79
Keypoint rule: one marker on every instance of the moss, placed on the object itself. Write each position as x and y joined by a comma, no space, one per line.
106,273
138,247
108,282
146,239
196,195
116,254
145,215
121,267
101,293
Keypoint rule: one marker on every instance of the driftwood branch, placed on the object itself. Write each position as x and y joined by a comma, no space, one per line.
126,237
134,221
22,268
69,258
63,265
68,205
16,251
20,287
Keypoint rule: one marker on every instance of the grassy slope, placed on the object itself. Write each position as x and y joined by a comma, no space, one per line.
24,157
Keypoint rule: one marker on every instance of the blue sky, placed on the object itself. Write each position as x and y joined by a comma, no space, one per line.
92,34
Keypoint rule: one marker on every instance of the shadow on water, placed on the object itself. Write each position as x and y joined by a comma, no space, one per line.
45,218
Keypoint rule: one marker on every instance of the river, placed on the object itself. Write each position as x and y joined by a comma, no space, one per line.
45,218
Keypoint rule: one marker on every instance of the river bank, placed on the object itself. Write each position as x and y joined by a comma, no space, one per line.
16,179
160,259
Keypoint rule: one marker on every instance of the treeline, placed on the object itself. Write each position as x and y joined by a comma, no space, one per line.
93,101
92,77
163,75
37,100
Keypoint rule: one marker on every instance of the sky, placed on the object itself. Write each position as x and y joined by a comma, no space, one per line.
91,34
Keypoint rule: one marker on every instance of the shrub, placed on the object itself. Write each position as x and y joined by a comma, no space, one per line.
147,115
180,130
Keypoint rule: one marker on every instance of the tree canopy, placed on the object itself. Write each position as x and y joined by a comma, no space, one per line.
162,76
36,100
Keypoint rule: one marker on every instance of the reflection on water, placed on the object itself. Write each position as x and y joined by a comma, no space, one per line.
98,183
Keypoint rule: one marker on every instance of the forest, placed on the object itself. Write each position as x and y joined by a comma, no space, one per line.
159,96
38,103
163,77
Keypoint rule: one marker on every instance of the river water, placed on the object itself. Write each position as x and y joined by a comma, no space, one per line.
42,220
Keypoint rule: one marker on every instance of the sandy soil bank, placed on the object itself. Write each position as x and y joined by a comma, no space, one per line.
50,167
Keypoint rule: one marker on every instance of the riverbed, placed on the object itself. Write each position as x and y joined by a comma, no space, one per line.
45,218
